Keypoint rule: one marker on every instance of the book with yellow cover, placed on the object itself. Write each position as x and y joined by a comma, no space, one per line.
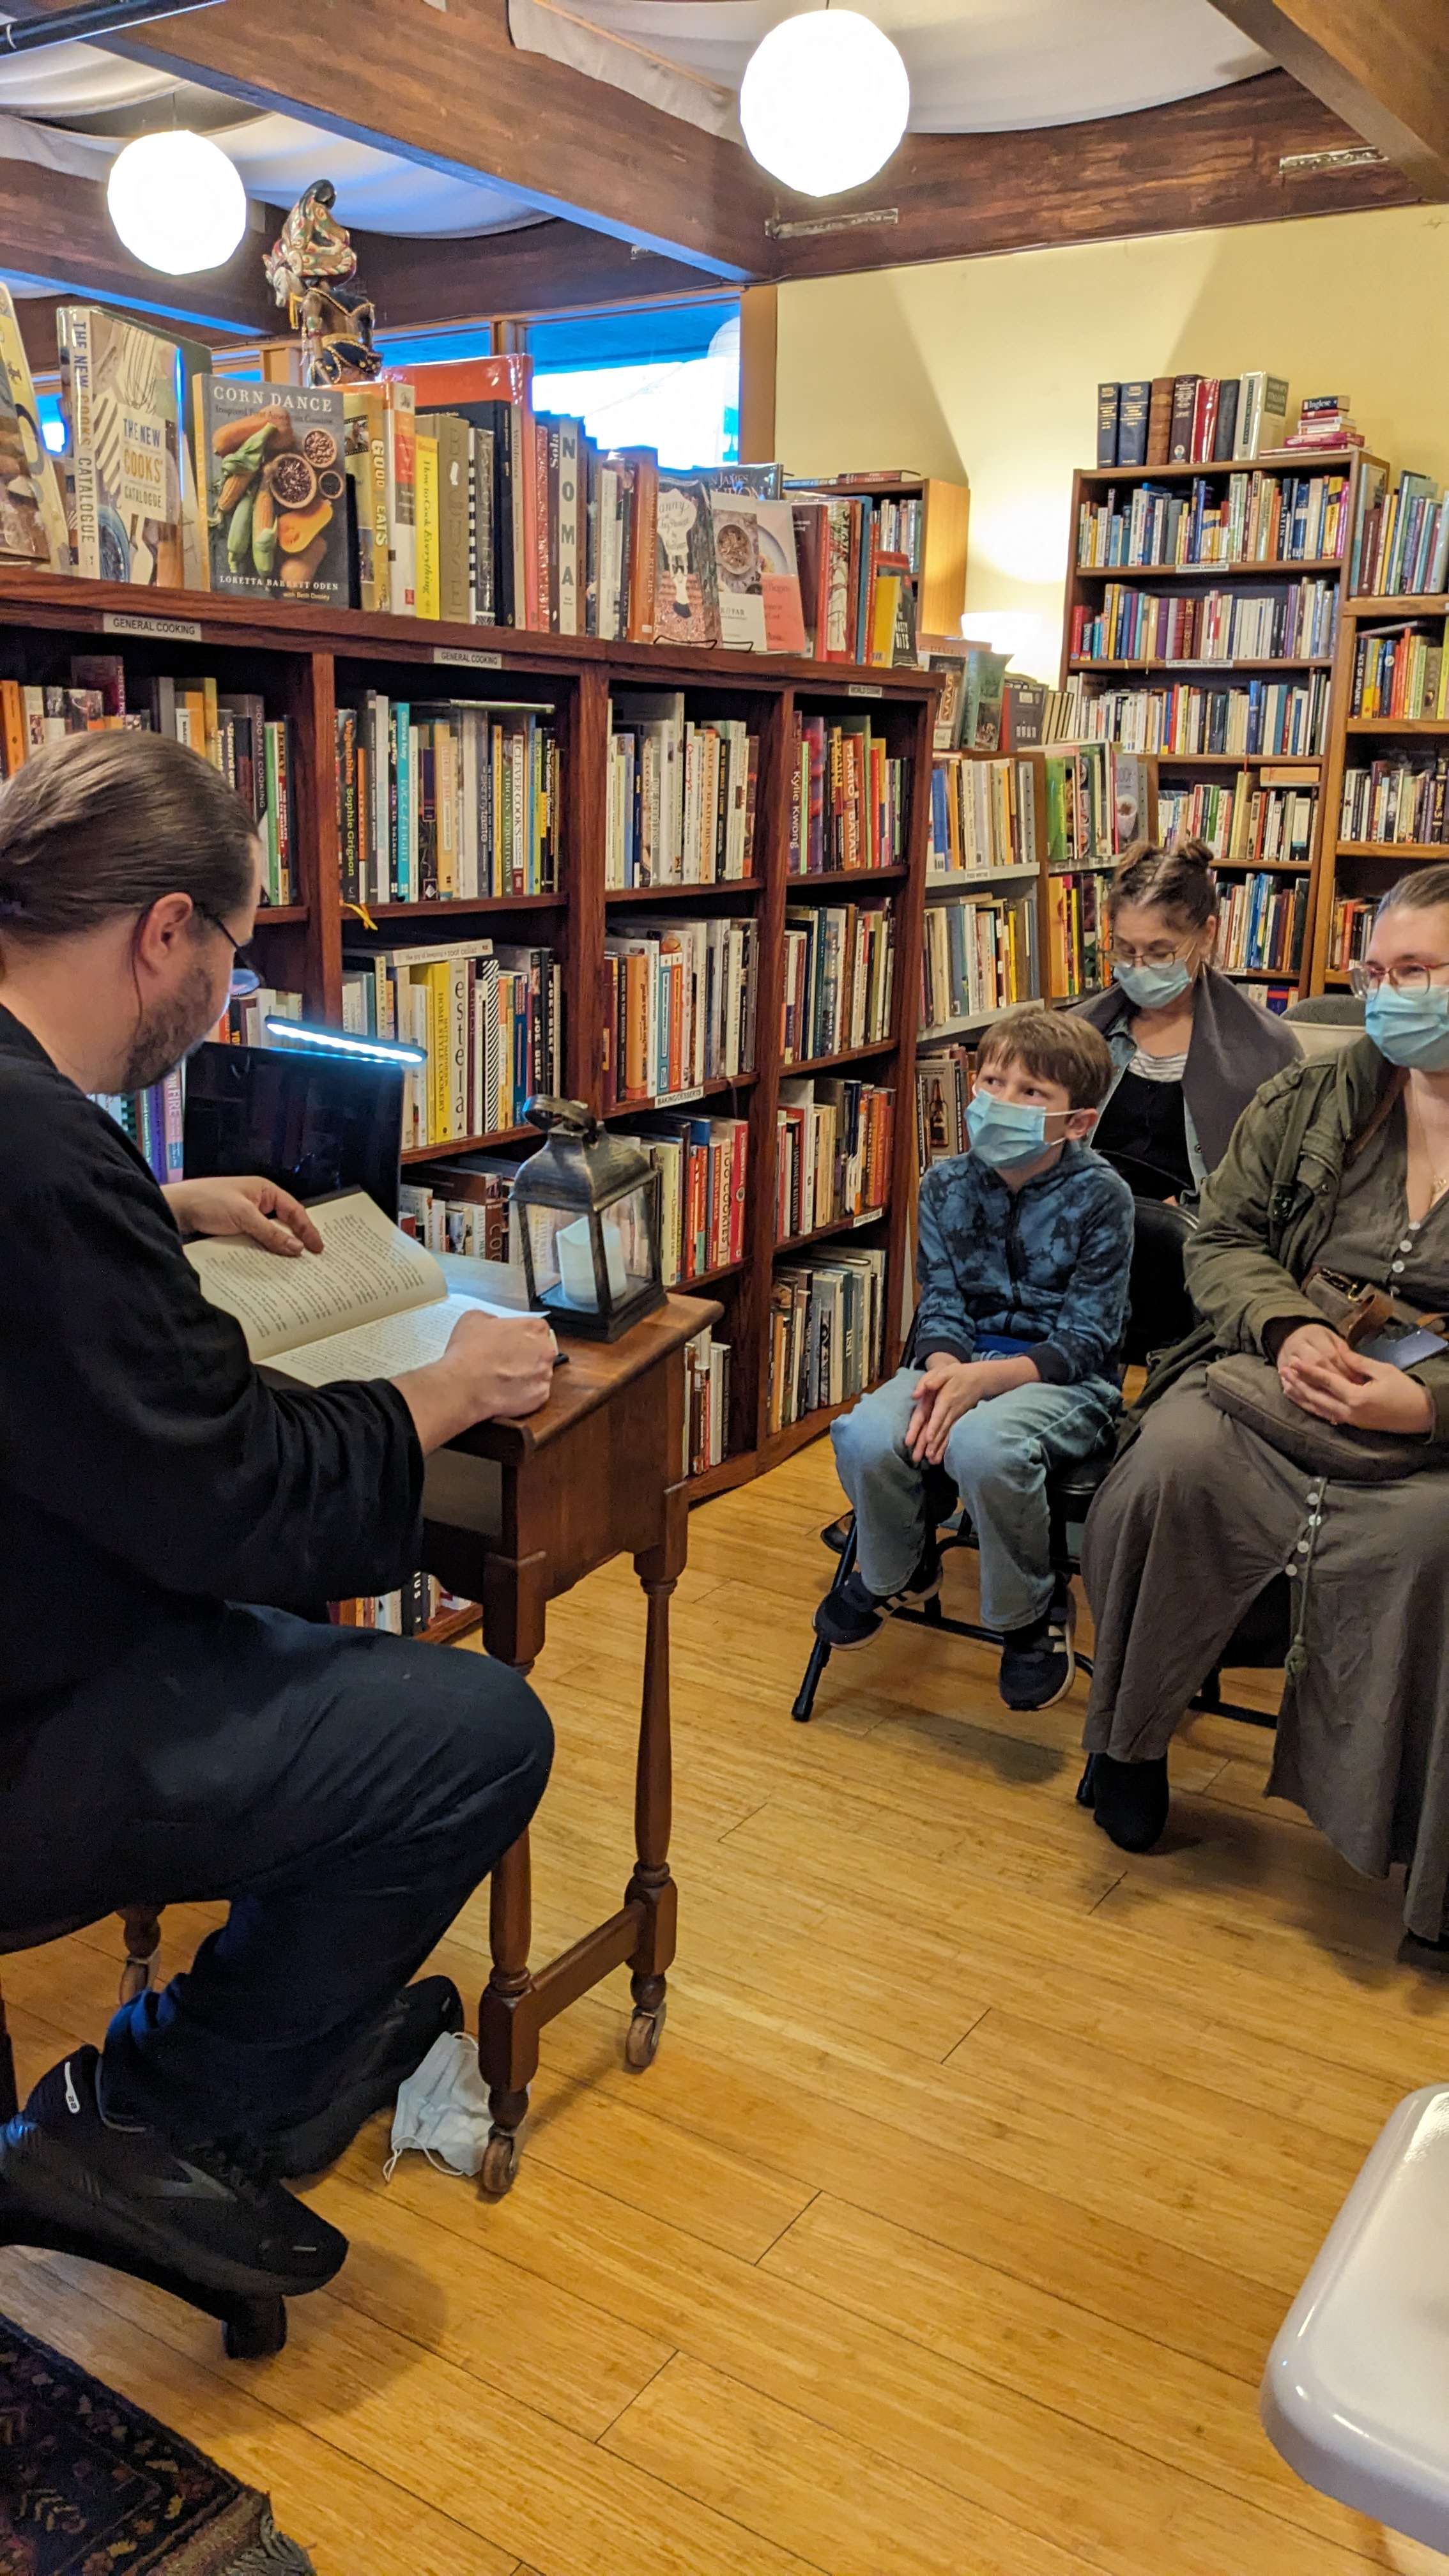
430,569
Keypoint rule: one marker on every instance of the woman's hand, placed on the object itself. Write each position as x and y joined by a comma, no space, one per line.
251,1207
1340,1385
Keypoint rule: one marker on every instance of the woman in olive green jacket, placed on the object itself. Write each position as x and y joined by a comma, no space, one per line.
1340,1163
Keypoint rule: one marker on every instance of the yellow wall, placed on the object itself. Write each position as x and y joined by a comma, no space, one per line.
986,370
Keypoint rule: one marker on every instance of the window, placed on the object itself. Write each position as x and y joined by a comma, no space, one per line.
663,375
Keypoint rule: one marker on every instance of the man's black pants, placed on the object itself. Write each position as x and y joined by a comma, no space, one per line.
345,1791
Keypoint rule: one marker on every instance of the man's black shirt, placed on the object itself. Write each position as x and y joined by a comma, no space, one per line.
141,1456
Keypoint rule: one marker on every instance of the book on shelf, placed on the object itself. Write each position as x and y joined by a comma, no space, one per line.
1285,718
681,794
849,805
409,1612
154,1120
1403,798
687,604
1292,621
757,574
983,815
1077,932
32,513
1261,922
832,1152
978,953
969,711
943,1088
489,1018
118,392
1023,712
827,1332
451,1208
372,1302
703,1164
1400,538
443,800
1351,928
1189,419
837,979
273,476
680,1008
244,1021
1098,802
1401,671
1258,517
1269,823
706,1401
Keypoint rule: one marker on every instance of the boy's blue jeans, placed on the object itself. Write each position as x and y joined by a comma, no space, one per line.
998,1456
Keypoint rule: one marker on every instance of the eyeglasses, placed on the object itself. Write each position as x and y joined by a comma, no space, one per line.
244,978
1163,952
1364,980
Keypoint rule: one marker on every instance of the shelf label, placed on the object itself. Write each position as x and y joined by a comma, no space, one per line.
674,1099
867,1216
466,657
862,689
164,630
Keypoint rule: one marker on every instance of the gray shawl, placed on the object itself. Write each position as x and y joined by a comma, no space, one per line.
1235,1048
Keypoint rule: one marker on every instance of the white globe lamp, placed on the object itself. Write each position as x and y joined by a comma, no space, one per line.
177,202
824,101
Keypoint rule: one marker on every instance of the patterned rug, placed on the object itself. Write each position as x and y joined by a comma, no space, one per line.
89,2486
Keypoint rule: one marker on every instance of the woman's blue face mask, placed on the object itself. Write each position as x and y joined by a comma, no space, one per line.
1151,988
1410,1028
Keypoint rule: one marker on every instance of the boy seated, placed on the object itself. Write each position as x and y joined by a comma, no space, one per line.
1025,1247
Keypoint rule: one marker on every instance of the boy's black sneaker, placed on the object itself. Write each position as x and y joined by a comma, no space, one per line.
207,2212
1038,1665
850,1614
369,2079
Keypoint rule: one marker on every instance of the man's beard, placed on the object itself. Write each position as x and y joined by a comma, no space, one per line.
169,1034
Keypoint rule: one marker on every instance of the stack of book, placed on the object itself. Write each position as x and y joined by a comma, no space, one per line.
1272,824
978,954
826,1333
833,1155
1401,671
859,564
1260,930
153,1120
983,815
1325,421
1189,420
680,1011
1350,931
849,807
943,1087
490,1020
1283,717
1403,799
1296,621
441,800
702,1163
1401,541
244,1021
839,979
706,1401
681,805
1258,518
1098,802
461,1207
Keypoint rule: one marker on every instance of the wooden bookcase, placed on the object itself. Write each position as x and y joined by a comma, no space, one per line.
1368,868
299,661
1085,586
945,526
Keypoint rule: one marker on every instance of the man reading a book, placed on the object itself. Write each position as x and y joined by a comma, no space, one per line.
177,1723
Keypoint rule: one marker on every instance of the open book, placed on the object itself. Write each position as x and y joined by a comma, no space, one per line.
370,1304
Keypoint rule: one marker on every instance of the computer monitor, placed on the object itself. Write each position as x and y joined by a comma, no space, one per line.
312,1123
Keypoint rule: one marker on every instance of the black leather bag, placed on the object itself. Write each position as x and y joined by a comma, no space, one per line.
1251,1391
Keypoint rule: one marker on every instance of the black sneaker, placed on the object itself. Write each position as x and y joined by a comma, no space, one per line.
850,1615
1038,1665
203,2212
368,2080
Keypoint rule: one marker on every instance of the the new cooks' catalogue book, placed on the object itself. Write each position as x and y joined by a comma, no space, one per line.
118,389
274,478
371,1303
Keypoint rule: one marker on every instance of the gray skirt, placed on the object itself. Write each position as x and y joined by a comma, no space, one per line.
1191,1525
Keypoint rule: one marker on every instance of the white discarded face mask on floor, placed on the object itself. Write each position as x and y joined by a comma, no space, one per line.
442,2109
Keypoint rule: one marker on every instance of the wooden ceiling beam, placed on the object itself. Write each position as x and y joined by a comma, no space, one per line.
1382,65
55,232
1193,164
549,267
446,87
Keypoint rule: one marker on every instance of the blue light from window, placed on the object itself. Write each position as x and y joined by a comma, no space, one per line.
52,423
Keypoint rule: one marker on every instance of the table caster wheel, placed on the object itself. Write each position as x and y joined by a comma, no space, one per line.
500,2163
641,2040
255,2332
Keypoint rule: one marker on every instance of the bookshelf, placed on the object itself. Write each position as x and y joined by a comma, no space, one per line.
1226,511
1361,865
938,557
303,660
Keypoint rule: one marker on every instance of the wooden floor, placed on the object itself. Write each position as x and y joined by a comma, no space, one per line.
949,2231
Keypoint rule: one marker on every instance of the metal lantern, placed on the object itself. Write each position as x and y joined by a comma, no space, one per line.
588,1214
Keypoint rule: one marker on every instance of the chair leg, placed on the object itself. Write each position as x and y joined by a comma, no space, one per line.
820,1651
9,2099
142,1926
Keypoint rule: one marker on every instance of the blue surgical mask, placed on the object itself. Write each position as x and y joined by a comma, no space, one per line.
1007,1134
1153,987
1410,1028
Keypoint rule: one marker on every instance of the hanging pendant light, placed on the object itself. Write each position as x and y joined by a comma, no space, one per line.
177,202
824,101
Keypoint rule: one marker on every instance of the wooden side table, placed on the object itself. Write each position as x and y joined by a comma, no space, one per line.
517,1512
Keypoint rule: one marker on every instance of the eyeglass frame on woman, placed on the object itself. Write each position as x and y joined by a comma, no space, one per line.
1160,956
1364,979
244,979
